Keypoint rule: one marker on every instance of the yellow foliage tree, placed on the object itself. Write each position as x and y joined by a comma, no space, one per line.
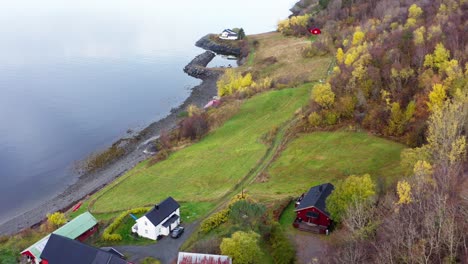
323,95
436,97
340,55
439,58
404,192
56,219
358,36
286,26
414,11
232,81
419,35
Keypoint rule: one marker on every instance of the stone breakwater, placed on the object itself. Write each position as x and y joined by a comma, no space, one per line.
208,44
197,67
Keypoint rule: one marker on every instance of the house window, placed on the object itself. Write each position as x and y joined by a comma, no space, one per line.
146,223
146,231
312,215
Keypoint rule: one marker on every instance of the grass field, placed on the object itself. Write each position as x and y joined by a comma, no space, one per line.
207,170
321,157
290,65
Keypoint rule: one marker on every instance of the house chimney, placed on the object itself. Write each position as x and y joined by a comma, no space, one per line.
157,207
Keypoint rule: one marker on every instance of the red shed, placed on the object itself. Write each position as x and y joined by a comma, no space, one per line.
311,213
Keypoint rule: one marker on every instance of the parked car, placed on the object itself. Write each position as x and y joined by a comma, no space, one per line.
177,232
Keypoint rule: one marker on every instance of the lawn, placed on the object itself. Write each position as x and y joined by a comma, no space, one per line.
321,157
205,171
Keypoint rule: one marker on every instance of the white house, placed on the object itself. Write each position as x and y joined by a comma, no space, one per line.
159,221
228,34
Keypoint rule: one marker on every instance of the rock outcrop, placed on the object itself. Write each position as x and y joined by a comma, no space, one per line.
219,48
197,67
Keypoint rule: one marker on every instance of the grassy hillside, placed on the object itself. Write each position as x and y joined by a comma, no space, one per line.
280,58
321,157
210,168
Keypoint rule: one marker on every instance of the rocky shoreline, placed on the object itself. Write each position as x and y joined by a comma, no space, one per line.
207,44
92,182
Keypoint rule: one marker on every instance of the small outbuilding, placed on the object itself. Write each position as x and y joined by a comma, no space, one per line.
311,213
159,221
228,34
79,228
61,249
196,258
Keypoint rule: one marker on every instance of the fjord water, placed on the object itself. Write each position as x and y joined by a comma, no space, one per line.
76,75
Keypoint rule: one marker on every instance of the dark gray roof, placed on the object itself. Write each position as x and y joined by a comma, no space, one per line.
162,210
59,250
230,32
170,221
316,197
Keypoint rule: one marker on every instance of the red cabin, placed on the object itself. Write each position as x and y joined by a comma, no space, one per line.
311,213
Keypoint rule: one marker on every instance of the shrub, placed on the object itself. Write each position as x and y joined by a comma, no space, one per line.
323,95
282,250
193,127
150,260
242,247
331,117
345,106
214,221
56,219
315,119
193,110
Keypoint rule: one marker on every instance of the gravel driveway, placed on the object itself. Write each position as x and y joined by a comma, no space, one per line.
166,249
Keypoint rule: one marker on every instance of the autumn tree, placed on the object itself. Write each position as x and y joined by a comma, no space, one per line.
404,192
340,55
446,139
399,118
323,95
354,189
56,219
242,247
436,97
241,34
232,82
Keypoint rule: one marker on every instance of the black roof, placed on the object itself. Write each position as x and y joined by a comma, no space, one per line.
170,221
316,197
59,250
162,210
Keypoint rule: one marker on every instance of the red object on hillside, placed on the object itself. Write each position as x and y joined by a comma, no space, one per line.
77,206
311,213
315,31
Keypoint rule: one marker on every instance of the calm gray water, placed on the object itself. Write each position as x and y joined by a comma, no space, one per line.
75,75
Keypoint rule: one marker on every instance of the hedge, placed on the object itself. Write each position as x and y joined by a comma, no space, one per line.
220,217
107,234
